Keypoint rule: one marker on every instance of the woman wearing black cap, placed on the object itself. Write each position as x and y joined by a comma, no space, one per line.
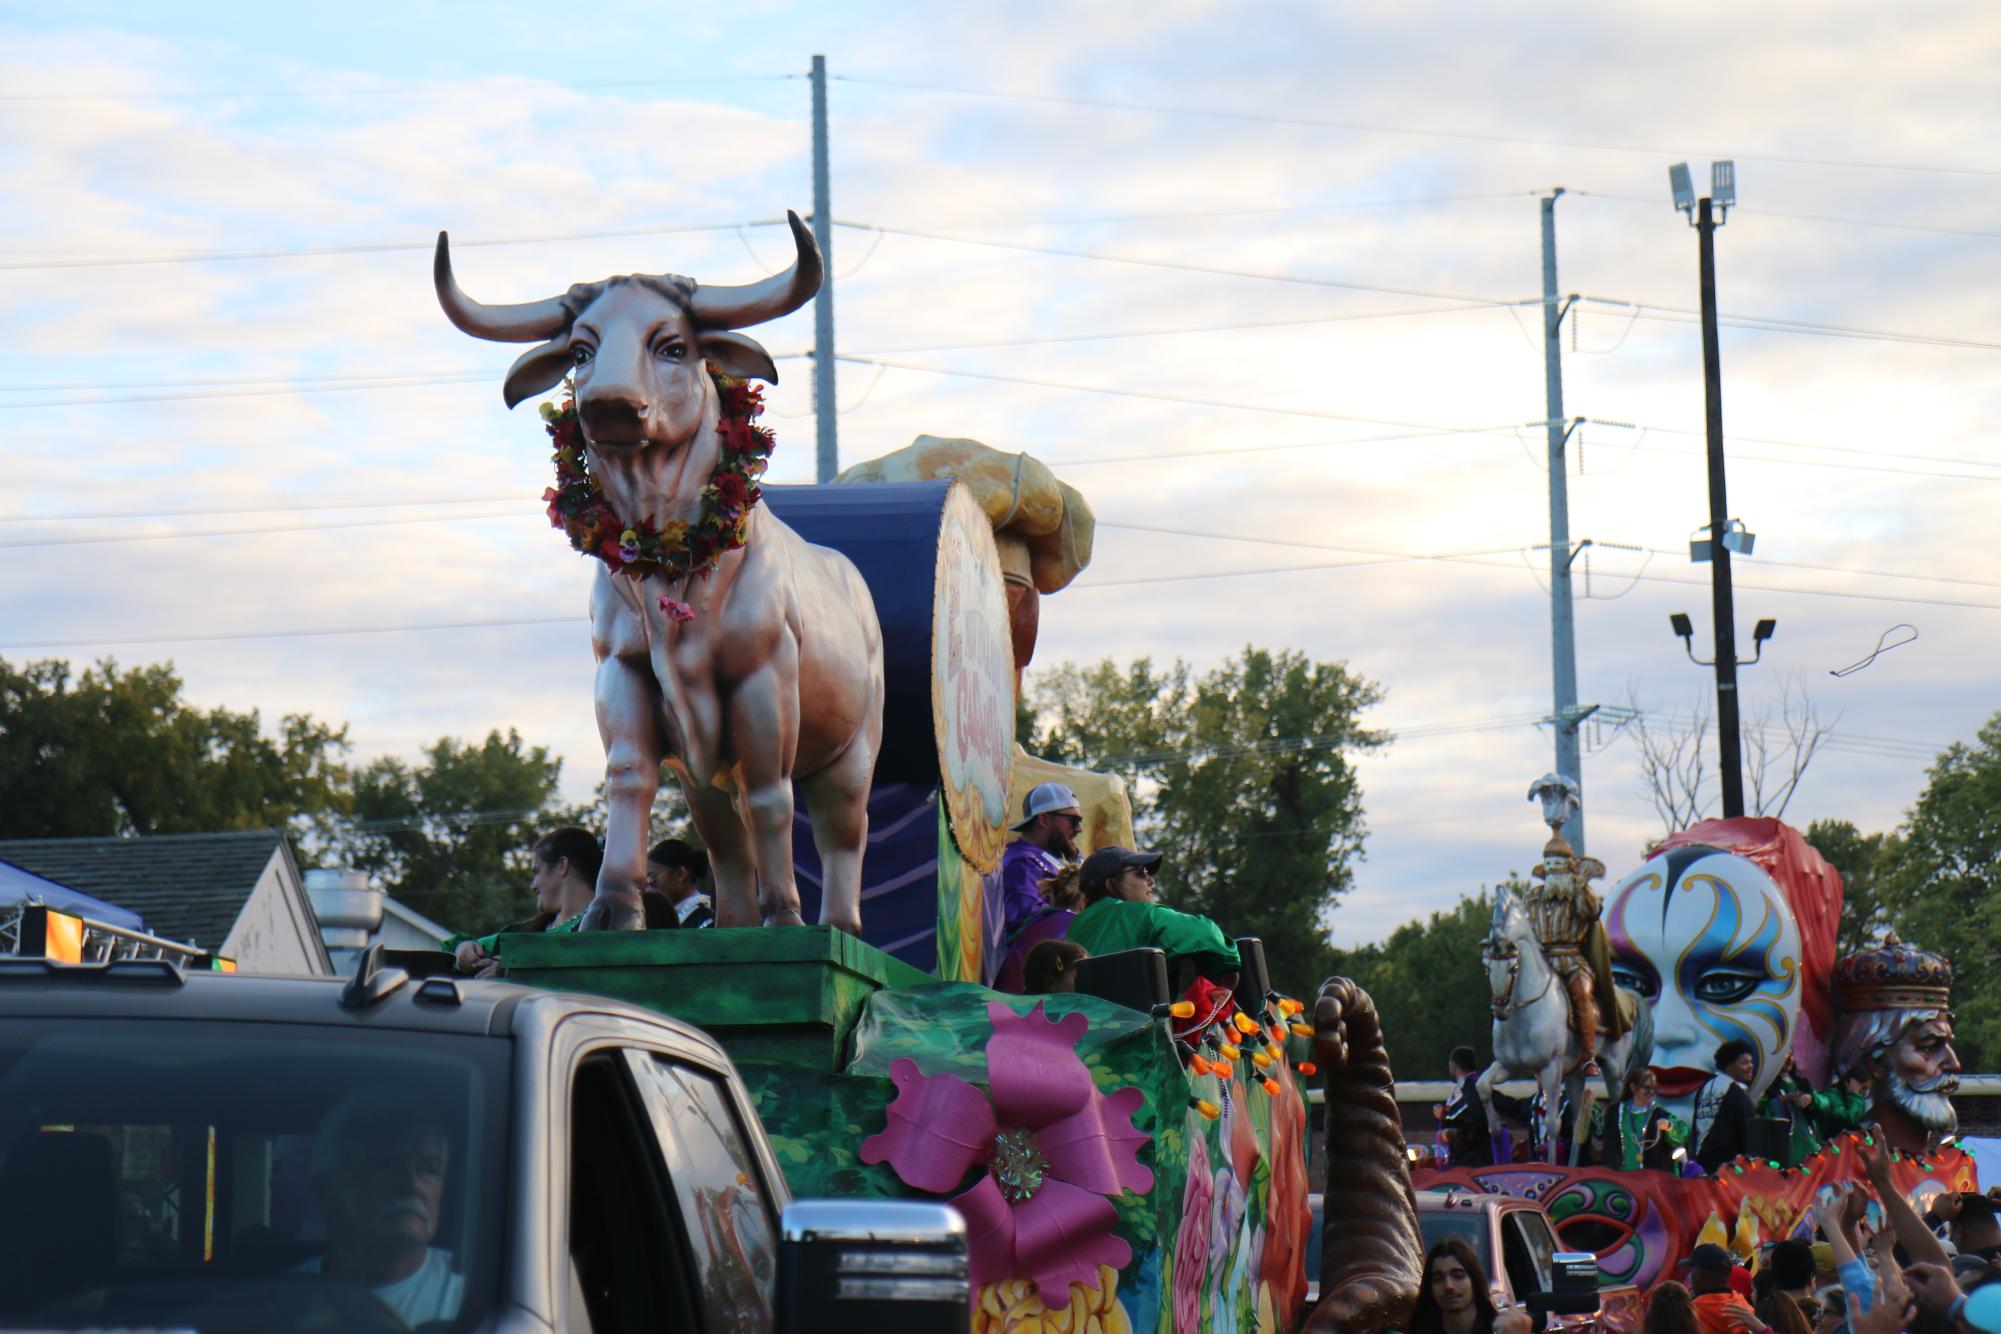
1122,912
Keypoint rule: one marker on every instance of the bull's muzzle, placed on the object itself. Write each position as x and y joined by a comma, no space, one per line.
614,419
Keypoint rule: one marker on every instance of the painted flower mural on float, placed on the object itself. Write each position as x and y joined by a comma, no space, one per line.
1227,1233
1191,1242
1052,1150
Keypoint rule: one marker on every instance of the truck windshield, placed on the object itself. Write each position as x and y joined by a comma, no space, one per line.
243,1176
1468,1223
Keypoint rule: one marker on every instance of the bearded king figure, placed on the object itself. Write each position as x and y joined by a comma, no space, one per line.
1896,1023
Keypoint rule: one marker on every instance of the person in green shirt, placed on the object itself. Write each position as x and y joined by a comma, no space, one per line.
1639,1132
1843,1107
565,863
1122,911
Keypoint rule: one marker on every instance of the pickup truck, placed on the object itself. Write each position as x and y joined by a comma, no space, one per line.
259,1155
1533,1270
1559,1287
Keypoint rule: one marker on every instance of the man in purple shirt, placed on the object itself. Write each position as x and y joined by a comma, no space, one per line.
1048,829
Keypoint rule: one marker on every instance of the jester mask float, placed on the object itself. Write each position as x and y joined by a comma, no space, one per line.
1728,932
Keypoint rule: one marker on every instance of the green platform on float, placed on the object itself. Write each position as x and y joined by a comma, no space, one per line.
815,1019
788,994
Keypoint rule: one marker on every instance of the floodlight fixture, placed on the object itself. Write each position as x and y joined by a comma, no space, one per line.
1684,188
1723,184
1682,625
1737,539
1763,631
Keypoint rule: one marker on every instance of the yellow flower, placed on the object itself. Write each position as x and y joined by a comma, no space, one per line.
674,537
1013,1306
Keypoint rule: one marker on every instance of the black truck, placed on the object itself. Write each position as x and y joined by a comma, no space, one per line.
255,1155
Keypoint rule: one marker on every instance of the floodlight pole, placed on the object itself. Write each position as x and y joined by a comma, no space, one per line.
828,459
1722,604
1565,715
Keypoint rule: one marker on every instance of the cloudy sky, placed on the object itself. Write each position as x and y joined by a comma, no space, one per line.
1248,273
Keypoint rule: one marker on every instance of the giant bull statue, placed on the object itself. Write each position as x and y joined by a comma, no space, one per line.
778,675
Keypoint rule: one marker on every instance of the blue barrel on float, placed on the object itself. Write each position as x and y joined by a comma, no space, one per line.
890,532
926,552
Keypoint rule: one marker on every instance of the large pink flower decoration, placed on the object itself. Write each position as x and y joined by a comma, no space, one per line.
1054,1150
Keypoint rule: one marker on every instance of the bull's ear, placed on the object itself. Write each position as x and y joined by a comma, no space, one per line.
733,354
538,370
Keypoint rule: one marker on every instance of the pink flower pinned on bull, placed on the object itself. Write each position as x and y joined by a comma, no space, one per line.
677,611
1052,1149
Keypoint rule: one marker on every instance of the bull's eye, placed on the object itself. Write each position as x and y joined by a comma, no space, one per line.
671,350
582,353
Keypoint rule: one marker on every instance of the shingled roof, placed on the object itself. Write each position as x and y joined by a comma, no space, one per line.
186,886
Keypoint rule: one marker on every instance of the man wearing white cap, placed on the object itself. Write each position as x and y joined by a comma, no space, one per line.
1046,838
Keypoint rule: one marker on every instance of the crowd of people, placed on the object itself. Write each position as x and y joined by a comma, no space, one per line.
1869,1264
1060,907
1639,1132
563,874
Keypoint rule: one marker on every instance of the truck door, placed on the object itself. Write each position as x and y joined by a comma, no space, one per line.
1528,1248
724,1207
627,1268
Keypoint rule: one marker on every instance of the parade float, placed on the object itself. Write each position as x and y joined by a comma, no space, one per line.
830,674
1727,931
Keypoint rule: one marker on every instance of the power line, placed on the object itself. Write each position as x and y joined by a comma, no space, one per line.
1468,556
1183,215
1646,310
1474,561
402,380
1365,127
113,539
111,261
58,259
1426,428
1185,399
1459,300
1103,258
398,90
1807,217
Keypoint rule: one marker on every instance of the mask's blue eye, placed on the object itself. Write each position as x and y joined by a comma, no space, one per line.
1639,981
1723,987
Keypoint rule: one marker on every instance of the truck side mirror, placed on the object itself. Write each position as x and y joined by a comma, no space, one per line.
887,1266
1573,1286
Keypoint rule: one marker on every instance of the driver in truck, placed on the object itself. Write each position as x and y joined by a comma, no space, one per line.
379,1169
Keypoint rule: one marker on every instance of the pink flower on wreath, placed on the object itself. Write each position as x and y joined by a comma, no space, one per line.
1052,1151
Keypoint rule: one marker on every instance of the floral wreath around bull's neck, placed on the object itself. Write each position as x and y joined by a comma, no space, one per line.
678,550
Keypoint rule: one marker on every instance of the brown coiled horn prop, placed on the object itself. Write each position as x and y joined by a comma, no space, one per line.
767,299
1372,1256
529,322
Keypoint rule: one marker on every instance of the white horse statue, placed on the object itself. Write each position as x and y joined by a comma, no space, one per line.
1532,1030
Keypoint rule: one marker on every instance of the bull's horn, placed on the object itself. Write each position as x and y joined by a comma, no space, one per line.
780,294
529,322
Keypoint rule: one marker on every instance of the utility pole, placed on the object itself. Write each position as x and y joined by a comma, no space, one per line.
829,453
1723,607
1566,716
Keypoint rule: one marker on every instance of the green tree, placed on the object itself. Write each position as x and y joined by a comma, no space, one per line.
1943,878
1862,859
1241,776
1427,982
121,752
451,835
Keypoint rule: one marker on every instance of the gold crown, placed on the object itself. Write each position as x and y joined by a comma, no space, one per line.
1893,976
